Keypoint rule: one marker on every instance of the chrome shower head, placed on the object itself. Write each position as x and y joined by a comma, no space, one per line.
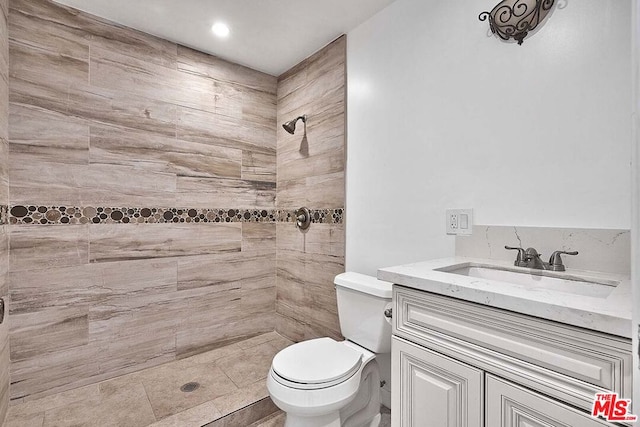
290,126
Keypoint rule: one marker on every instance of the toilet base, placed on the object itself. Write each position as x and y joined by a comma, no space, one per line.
375,422
362,411
329,420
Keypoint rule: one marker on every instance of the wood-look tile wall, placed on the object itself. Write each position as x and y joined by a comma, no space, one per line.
101,115
310,172
4,201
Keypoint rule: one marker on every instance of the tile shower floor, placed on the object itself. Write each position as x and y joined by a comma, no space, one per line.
229,378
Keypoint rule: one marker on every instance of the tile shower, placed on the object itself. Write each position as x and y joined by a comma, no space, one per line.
152,191
4,201
226,387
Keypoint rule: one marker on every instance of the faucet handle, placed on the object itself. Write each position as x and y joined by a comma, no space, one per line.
519,257
556,262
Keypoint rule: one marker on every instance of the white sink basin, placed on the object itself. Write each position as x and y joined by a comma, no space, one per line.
536,279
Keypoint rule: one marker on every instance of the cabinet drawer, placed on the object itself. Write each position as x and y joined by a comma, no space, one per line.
559,359
509,405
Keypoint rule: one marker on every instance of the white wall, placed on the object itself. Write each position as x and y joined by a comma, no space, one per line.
635,185
440,114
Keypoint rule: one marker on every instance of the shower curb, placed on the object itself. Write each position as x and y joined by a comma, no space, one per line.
248,415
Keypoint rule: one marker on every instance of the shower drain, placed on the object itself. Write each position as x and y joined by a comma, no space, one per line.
189,387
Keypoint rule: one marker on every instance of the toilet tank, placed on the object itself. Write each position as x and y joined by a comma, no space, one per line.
362,301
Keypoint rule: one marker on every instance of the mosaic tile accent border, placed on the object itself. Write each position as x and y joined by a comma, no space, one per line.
48,215
4,214
328,216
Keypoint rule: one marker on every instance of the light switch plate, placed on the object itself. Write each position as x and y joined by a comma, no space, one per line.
459,222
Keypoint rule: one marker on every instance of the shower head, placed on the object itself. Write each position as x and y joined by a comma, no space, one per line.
290,126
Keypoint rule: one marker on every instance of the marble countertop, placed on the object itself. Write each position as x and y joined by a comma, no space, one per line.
610,314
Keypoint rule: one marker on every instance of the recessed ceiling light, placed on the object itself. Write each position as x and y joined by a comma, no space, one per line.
220,29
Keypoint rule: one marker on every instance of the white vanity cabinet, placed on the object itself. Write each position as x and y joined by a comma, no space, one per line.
457,363
509,405
435,390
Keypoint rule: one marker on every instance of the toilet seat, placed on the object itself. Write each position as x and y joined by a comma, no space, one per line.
315,364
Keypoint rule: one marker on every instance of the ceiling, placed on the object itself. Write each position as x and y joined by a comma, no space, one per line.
267,35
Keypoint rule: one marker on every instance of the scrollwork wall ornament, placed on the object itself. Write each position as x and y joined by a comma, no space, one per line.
515,19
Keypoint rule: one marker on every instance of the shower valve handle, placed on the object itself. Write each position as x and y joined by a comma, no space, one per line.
303,218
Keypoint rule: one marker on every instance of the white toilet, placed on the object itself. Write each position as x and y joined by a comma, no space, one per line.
327,383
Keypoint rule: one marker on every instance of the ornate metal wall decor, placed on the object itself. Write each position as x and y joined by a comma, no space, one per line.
516,18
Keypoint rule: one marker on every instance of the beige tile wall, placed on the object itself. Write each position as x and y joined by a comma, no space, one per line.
4,200
310,172
101,115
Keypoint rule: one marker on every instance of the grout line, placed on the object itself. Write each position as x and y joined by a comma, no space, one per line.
146,393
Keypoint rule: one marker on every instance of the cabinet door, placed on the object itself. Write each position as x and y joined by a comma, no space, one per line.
432,390
509,405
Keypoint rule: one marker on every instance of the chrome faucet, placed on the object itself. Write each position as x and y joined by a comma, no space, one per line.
530,258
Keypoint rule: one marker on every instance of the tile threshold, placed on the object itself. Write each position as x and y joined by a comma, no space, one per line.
252,414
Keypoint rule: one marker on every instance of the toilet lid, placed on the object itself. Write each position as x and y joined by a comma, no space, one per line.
316,361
